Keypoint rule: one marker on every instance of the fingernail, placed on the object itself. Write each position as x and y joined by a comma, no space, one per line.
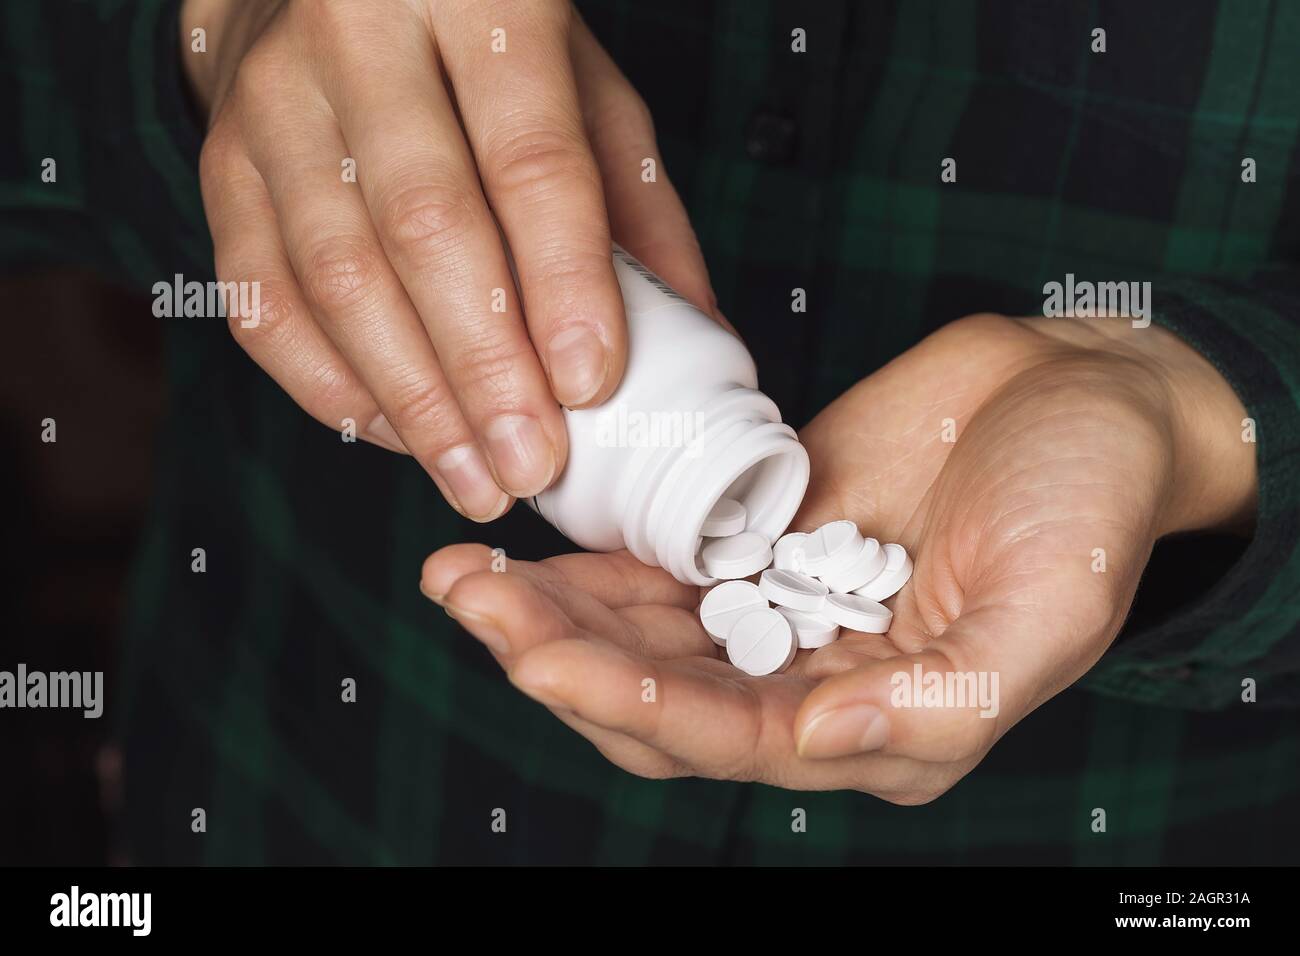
480,627
435,598
578,364
858,729
382,433
466,473
521,454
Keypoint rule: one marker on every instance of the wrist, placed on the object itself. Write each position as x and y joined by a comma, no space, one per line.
1212,480
1215,481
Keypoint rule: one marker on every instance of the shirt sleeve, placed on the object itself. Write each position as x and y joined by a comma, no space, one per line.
1246,626
102,168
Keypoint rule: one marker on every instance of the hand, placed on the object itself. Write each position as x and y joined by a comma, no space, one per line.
1073,440
381,297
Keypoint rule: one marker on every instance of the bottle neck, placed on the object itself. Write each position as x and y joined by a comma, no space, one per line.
741,450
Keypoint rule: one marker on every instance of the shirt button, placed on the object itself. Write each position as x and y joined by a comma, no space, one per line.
770,137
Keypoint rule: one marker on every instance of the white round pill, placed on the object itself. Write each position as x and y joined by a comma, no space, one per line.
831,547
737,556
726,604
897,570
727,518
792,589
868,563
811,630
787,553
858,613
761,642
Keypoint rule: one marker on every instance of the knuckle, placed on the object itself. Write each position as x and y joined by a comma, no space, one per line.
217,155
427,218
536,162
259,75
422,403
333,386
340,273
270,326
488,363
565,278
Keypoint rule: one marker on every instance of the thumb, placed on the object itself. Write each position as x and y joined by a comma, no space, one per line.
948,702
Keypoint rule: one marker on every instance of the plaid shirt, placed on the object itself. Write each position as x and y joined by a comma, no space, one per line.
818,170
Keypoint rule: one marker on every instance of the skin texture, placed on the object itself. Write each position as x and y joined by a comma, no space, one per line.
1071,436
381,298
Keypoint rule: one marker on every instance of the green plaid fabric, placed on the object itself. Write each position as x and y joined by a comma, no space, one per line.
817,170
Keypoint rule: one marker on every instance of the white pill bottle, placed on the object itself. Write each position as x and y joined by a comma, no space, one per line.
686,426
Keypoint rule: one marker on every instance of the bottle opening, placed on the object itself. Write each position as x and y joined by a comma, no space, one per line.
771,490
764,489
764,468
744,452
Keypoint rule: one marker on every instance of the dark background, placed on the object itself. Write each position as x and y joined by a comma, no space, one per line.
75,352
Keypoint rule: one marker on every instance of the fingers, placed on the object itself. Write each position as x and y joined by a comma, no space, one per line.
616,678
616,580
949,702
282,337
420,186
412,244
448,565
619,580
707,718
510,613
356,297
515,613
646,215
701,714
520,109
643,685
513,596
628,674
718,725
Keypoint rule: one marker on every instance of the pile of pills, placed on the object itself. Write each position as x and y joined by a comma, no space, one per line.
820,581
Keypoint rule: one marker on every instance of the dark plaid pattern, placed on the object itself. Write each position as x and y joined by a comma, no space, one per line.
816,170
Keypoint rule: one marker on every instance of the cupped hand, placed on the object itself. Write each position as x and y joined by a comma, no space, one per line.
1028,465
367,165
